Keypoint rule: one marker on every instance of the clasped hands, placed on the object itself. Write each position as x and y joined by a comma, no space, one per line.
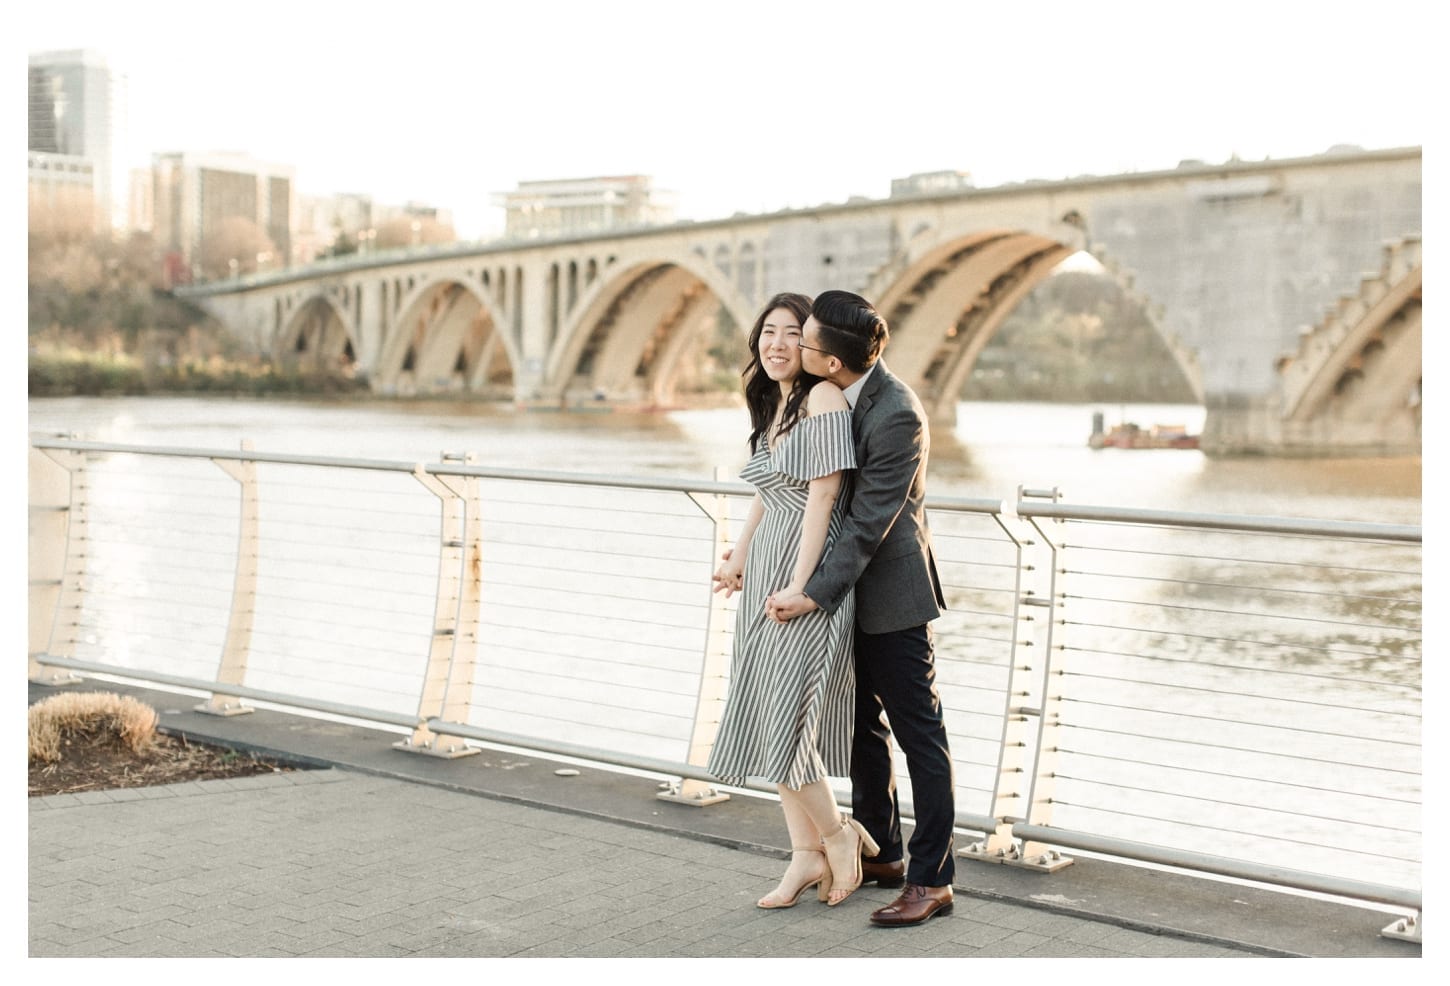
782,606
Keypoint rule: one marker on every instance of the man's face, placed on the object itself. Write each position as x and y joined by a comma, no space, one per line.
812,359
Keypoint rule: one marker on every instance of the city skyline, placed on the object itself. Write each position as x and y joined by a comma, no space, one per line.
450,104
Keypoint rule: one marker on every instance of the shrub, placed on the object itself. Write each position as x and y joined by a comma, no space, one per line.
101,715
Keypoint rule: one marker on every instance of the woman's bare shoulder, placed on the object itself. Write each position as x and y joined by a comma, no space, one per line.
826,396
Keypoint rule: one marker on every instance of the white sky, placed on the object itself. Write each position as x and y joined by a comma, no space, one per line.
746,105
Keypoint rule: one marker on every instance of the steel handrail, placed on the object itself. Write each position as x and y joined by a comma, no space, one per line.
1406,533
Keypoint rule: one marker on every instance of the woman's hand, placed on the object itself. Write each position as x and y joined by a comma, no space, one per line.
787,604
730,576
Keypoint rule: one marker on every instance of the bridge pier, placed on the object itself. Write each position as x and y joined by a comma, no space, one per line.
1242,425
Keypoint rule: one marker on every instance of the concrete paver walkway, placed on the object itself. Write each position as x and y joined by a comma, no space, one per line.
336,863
377,852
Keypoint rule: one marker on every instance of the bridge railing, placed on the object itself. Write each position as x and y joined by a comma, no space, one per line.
1230,694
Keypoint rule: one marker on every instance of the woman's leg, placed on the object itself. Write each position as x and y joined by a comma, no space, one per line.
807,859
841,839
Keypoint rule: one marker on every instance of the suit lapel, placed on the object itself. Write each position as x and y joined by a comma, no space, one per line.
869,391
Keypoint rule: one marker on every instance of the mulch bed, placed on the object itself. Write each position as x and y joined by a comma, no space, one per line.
99,763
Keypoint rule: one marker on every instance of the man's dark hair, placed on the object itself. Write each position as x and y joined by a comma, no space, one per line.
851,330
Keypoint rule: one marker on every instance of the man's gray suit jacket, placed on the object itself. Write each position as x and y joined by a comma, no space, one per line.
884,550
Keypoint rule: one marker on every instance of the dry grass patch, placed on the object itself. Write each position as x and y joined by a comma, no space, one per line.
99,741
100,717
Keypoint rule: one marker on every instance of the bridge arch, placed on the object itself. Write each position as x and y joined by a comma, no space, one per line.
945,306
632,326
1361,367
316,335
448,337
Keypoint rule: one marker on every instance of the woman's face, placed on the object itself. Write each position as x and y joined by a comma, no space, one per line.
779,346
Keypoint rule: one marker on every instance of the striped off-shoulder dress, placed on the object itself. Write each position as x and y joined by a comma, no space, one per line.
788,710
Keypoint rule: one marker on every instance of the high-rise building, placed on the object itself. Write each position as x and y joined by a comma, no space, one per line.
195,194
76,109
584,205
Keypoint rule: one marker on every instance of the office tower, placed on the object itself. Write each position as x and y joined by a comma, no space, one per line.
76,104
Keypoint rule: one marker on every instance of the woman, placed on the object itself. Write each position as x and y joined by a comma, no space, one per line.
789,713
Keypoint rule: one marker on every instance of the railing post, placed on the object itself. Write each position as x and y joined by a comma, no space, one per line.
448,678
56,559
1018,794
1050,688
710,702
238,642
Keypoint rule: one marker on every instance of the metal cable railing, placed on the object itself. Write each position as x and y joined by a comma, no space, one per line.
1266,687
1220,692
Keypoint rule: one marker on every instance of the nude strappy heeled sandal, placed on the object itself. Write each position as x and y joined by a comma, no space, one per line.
865,846
824,880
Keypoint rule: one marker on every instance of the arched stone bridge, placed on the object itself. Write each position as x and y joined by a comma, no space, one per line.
1289,292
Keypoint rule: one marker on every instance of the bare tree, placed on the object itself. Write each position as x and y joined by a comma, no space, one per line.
237,246
61,219
404,231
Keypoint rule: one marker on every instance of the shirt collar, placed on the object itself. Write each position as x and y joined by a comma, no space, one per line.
853,392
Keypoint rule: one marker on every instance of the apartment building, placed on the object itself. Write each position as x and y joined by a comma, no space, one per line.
194,194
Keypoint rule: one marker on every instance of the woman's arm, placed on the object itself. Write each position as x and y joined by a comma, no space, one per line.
821,498
883,483
814,527
730,575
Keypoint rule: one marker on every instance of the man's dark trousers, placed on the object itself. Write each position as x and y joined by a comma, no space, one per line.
896,672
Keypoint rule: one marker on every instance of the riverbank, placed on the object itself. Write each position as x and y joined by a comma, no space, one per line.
78,373
74,372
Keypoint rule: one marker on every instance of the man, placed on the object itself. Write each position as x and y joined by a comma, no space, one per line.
884,551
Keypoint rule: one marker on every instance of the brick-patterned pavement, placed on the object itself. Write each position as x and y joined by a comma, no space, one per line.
342,863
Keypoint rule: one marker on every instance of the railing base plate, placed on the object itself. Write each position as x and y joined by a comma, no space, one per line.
445,752
1405,929
227,711
691,793
1044,862
55,677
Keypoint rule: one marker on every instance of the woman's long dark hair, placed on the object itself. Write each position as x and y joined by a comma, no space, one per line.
762,394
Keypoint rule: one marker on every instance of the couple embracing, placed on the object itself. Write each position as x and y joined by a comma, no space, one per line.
839,585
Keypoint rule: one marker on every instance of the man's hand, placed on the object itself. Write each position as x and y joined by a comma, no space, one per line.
784,607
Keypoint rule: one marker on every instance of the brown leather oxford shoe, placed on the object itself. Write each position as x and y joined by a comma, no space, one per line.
884,874
915,905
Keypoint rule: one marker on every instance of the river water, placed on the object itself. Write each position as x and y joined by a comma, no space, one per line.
1367,675
993,448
